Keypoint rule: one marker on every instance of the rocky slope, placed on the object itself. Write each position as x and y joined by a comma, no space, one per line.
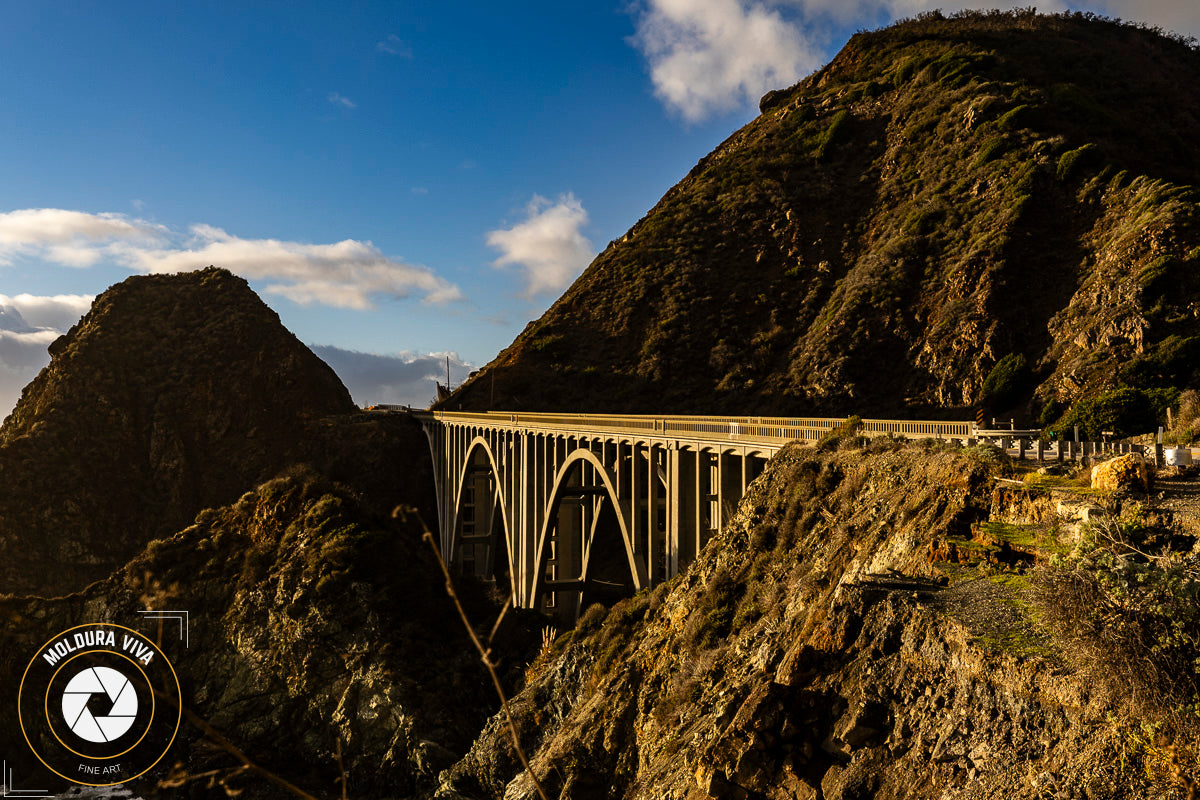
313,621
865,627
945,193
174,394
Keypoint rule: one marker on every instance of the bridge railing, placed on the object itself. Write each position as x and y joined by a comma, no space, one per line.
764,430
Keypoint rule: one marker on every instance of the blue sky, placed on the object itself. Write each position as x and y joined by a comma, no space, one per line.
399,181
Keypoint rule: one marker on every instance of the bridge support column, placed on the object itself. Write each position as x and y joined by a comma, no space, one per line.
654,570
731,485
683,508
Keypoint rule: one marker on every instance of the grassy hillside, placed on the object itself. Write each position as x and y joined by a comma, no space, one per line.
946,194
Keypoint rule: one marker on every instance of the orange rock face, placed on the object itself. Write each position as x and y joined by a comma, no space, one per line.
1124,472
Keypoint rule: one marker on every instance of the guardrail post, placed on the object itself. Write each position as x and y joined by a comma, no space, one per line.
1041,450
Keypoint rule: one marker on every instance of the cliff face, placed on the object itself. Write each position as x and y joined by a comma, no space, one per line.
865,627
174,394
945,193
321,644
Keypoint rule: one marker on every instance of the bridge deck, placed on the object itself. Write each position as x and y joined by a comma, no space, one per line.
771,433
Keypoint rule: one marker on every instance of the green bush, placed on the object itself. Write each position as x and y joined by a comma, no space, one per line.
991,149
1072,161
712,618
1134,625
1020,117
906,70
831,135
1003,386
845,433
1051,411
1125,412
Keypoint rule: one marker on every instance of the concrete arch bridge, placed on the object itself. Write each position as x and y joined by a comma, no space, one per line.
564,510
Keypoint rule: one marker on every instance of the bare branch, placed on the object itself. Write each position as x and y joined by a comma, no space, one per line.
483,652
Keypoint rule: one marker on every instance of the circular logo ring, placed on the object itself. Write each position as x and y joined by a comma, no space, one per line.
118,772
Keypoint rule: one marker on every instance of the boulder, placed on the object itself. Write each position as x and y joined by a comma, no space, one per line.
1129,471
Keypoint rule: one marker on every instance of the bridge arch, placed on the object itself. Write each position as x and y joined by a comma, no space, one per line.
478,546
595,536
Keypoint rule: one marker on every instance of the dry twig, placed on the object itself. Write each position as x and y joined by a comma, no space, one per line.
484,653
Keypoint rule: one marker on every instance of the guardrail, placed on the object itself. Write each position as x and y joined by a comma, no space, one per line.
760,430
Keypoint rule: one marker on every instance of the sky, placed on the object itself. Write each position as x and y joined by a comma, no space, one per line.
401,181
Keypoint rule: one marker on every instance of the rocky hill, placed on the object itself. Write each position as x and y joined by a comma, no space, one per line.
888,623
174,394
321,645
1000,195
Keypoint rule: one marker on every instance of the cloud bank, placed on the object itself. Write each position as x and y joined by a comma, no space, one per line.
400,379
707,57
548,245
347,274
28,325
712,56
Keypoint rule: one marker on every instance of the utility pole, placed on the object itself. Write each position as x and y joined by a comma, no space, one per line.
447,373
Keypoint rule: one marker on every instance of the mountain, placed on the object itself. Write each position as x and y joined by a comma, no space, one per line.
995,195
175,393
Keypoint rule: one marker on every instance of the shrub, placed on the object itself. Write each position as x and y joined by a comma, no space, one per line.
1020,117
831,135
1135,626
1009,377
992,148
1073,160
1186,420
906,70
872,89
843,434
591,618
1051,411
1125,412
713,616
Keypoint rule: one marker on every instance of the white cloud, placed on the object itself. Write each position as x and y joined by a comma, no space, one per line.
28,325
401,378
70,238
1179,16
342,101
393,45
346,274
548,245
711,56
58,312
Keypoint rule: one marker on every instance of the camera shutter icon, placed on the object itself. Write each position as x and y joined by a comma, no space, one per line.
114,685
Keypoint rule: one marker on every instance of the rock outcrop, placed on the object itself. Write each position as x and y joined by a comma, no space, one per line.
815,650
173,394
316,627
